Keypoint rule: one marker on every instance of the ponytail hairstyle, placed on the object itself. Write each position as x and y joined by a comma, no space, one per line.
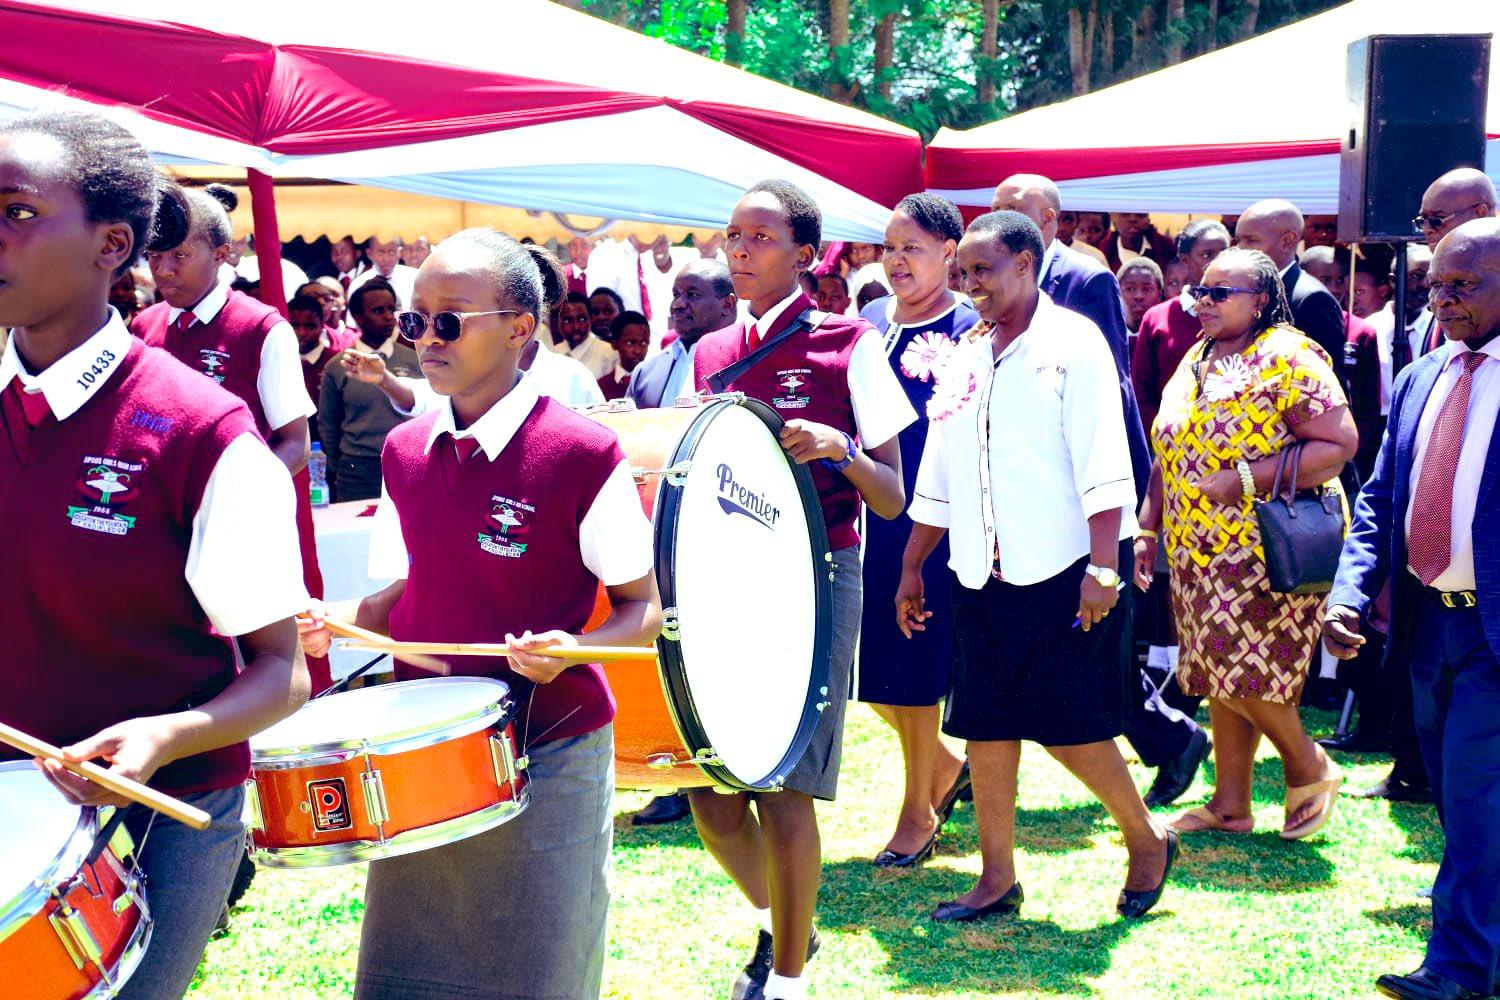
526,276
1267,281
209,211
114,178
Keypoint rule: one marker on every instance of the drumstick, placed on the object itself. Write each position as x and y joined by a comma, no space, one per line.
577,654
132,790
377,643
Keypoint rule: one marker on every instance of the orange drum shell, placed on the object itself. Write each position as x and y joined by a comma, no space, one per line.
643,723
423,787
35,953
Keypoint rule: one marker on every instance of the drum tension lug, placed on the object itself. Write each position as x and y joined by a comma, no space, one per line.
79,942
375,804
707,757
671,625
254,820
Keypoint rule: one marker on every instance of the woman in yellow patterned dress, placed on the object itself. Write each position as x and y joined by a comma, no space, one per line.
1252,388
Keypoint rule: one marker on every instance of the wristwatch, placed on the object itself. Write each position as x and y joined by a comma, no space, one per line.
1106,576
850,451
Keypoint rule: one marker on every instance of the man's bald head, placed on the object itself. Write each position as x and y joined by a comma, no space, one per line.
1457,197
1274,227
1035,197
1465,282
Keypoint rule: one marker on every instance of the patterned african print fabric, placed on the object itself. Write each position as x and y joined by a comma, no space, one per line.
1239,639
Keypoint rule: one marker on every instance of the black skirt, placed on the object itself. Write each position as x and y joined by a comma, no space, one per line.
1021,671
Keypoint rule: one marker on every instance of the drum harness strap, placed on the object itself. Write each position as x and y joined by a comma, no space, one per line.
810,319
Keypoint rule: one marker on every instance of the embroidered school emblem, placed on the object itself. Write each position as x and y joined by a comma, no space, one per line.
213,363
105,485
505,526
792,380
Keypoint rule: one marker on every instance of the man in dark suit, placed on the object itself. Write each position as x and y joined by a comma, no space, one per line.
1274,228
1163,737
1426,520
1456,197
703,300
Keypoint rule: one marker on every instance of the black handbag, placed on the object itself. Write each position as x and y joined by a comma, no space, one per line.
1302,532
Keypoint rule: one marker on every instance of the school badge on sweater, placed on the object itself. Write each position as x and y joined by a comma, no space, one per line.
505,526
105,485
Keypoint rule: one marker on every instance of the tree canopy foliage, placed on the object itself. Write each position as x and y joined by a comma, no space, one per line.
958,63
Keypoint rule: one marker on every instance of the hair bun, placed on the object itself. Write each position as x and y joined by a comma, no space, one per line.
224,195
172,221
554,282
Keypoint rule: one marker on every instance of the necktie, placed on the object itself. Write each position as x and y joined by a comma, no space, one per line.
1432,506
344,280
32,404
183,323
464,448
752,336
1434,336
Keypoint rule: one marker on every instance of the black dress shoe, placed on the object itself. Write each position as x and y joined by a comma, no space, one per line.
1356,742
1394,789
1424,984
663,809
1134,905
954,912
751,985
961,784
890,859
1177,777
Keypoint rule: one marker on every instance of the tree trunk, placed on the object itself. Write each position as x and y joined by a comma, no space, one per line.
989,48
1143,35
885,54
1211,42
1107,50
734,40
839,87
1176,27
1081,31
1251,17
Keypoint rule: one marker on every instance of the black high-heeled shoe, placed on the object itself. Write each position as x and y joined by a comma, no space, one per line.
1134,905
890,859
957,913
961,785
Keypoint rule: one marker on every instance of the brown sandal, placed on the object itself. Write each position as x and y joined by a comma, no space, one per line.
1203,818
1298,797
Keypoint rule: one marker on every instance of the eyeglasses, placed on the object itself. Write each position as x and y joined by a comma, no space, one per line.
447,325
1217,294
1422,223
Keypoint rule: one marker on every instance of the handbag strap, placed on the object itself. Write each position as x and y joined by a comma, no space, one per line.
1296,460
809,319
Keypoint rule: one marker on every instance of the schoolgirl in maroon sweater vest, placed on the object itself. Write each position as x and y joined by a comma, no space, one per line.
844,409
242,344
502,513
141,511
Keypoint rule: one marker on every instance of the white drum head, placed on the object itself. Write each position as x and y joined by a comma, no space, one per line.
743,578
36,826
387,712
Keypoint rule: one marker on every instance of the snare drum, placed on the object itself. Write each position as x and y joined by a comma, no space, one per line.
745,574
384,771
69,928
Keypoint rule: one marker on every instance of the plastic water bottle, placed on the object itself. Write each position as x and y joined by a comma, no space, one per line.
317,475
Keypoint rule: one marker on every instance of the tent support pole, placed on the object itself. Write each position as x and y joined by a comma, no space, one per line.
267,239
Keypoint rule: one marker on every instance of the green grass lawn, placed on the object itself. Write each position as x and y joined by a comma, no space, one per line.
1245,916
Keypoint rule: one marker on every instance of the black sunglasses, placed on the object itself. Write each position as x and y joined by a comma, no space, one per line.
447,325
1217,294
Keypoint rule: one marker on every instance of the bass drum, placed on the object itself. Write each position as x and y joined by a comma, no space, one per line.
745,573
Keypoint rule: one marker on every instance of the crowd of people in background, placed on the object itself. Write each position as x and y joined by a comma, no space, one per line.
1162,462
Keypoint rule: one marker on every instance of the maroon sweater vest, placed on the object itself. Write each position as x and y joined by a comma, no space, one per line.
101,626
226,350
805,378
494,548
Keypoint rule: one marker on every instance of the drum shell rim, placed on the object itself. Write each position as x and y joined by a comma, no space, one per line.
33,899
680,703
492,712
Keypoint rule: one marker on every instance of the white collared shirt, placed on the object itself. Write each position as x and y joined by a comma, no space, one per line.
881,407
594,354
680,374
244,562
1035,450
323,344
1384,323
1484,403
403,281
615,538
279,382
